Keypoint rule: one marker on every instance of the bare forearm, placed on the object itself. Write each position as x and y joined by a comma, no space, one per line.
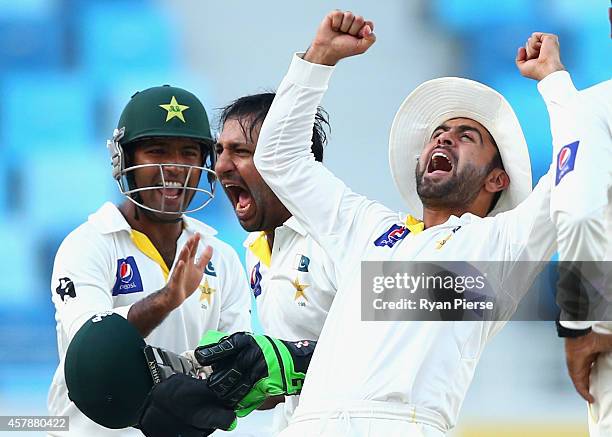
149,312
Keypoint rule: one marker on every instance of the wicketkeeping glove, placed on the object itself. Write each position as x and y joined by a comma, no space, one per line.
249,368
183,406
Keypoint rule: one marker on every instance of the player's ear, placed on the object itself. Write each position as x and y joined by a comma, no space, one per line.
496,180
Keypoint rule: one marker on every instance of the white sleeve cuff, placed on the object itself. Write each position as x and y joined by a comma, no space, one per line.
557,87
580,325
307,74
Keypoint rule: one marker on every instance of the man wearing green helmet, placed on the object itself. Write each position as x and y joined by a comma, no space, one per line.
145,259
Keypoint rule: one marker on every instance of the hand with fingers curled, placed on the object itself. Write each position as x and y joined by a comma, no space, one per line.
540,56
340,35
581,355
248,368
187,273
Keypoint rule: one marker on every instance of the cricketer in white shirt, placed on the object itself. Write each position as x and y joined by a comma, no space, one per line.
105,265
294,285
396,378
292,279
581,126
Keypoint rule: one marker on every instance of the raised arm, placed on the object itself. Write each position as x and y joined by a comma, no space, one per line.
321,202
149,312
582,153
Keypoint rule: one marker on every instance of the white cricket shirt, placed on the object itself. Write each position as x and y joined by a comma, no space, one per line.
425,365
294,285
581,127
105,265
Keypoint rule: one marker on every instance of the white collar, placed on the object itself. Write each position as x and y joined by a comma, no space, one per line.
292,223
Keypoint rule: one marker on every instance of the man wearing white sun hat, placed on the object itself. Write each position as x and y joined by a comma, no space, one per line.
472,183
404,378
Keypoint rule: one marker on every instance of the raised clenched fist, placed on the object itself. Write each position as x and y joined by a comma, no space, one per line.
540,56
340,35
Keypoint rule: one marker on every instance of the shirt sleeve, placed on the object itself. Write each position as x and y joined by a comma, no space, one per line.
236,304
582,153
81,282
527,235
338,219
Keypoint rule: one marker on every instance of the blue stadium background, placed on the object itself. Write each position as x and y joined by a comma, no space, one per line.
67,67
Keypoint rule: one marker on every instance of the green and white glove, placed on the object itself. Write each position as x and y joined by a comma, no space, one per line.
249,368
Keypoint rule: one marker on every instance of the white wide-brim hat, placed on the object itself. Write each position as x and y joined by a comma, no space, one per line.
438,100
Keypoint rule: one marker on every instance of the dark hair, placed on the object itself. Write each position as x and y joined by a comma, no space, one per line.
250,111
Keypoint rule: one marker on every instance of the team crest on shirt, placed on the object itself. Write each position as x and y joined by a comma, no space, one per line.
128,278
206,293
566,160
443,241
210,269
302,263
208,286
256,280
394,234
300,292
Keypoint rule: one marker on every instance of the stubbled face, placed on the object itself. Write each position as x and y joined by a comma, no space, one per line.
257,207
454,164
167,151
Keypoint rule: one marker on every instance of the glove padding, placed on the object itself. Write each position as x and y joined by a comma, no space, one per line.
183,406
249,368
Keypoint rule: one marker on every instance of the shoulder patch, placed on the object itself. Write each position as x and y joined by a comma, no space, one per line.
566,160
394,234
256,280
128,277
65,288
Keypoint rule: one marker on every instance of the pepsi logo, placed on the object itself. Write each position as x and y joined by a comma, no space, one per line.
393,235
125,272
397,234
564,155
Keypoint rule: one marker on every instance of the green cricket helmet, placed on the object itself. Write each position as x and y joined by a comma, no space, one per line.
106,371
169,112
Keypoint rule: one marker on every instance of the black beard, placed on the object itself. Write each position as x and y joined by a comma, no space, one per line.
456,192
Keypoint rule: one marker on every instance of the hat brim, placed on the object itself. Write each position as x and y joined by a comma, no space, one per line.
438,100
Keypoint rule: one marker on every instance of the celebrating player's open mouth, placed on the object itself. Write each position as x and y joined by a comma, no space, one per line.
171,191
241,198
440,163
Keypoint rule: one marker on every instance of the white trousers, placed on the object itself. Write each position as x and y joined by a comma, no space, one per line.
600,412
366,419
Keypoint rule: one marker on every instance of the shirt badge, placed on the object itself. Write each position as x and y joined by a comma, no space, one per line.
256,280
65,288
128,278
394,234
302,263
210,269
299,289
566,160
206,292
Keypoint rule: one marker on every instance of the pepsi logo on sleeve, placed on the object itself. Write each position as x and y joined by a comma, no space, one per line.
566,160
